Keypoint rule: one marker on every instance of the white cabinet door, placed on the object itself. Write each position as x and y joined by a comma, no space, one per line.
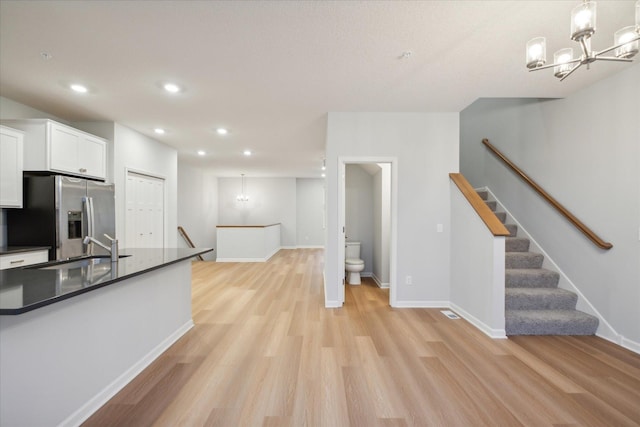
92,157
11,157
63,149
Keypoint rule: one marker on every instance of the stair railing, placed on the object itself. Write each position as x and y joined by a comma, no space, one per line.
495,226
184,234
564,211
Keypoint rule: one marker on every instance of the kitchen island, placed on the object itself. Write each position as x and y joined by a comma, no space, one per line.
247,243
73,336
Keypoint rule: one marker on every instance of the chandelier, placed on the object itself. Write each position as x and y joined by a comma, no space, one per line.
583,26
242,197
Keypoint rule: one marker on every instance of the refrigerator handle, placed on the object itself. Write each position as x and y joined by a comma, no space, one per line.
88,215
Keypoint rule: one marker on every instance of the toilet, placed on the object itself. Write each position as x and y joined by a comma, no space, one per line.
352,262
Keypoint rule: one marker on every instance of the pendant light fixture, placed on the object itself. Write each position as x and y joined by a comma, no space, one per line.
242,197
583,26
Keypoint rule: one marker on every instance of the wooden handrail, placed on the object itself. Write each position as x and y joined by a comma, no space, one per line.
188,240
495,226
568,215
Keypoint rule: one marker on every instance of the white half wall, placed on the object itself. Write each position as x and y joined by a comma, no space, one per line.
426,148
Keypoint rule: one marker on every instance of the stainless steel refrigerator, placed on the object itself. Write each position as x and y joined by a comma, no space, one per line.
59,211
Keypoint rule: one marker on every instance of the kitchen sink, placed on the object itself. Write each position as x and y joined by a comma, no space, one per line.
80,263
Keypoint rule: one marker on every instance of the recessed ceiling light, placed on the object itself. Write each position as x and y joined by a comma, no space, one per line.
323,175
247,152
171,87
79,88
159,131
201,152
222,131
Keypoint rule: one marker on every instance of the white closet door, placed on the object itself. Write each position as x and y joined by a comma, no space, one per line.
145,211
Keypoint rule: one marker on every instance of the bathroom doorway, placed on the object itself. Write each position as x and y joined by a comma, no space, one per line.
367,210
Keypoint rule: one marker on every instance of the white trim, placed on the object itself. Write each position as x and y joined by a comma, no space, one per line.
287,247
421,304
491,332
623,342
332,304
393,252
380,284
309,247
242,259
89,408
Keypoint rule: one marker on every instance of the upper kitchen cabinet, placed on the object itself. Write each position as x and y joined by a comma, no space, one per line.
55,147
11,156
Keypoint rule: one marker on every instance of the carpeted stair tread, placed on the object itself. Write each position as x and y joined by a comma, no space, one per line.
502,216
531,278
549,322
516,244
539,299
484,194
492,204
523,260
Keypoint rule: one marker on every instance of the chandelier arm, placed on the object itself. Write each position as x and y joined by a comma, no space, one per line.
609,49
557,64
571,72
613,58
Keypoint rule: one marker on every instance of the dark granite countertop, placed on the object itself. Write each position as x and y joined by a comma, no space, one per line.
27,288
6,250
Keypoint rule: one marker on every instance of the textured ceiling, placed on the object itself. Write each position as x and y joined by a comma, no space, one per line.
270,71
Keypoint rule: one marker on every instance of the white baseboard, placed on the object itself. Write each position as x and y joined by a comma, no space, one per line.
622,342
332,304
96,402
489,331
241,259
421,304
309,247
380,284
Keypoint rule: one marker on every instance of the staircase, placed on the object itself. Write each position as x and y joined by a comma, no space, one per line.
534,305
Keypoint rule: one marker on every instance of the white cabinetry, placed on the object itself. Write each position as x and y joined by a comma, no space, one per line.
53,146
21,259
11,156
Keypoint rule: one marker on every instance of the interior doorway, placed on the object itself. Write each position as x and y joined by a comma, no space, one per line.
380,248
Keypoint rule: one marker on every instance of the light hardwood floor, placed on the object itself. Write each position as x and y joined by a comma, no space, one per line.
265,352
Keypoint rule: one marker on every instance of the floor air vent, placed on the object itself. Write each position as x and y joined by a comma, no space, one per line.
450,314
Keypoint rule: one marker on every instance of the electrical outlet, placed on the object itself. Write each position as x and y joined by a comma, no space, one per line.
409,280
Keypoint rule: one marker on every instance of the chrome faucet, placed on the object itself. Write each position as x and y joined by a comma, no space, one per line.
113,250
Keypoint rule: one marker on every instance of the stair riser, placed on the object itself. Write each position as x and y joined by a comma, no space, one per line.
513,229
523,260
516,244
492,204
570,328
483,194
502,216
519,302
536,279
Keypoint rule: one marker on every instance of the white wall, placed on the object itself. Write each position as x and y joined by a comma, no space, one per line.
477,268
585,151
139,153
382,223
359,215
426,148
198,206
271,200
310,212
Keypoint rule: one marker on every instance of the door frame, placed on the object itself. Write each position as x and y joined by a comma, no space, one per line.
343,161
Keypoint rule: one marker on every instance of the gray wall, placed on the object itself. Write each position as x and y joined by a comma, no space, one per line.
585,151
359,213
271,200
198,206
310,212
426,148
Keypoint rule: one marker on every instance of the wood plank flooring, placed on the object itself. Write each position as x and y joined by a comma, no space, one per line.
265,352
